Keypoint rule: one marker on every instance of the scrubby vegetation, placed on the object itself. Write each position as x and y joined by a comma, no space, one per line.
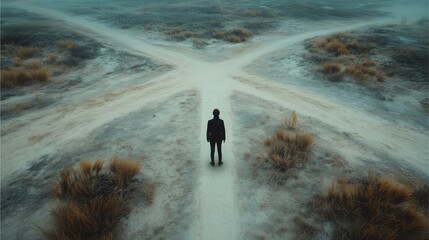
341,55
370,56
23,66
374,208
287,149
93,200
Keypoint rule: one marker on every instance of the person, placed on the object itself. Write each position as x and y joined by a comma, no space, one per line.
215,135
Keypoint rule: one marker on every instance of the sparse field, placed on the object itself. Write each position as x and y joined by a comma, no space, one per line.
325,108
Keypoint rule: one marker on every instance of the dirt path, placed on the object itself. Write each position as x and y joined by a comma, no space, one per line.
217,216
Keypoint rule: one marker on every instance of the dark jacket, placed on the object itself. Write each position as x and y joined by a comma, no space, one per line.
215,129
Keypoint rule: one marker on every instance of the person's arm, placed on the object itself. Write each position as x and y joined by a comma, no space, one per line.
223,131
208,131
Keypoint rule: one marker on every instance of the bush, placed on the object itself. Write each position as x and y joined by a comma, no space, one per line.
293,120
373,208
218,34
94,199
238,35
337,47
330,68
18,77
286,150
65,44
26,52
361,72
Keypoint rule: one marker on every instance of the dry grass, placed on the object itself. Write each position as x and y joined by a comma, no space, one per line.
19,77
34,64
26,52
233,39
286,150
293,120
373,208
362,71
337,47
218,34
178,34
65,44
94,199
330,68
148,27
238,35
350,59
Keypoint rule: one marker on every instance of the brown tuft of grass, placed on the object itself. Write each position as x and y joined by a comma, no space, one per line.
357,47
148,27
286,150
238,35
40,75
218,34
373,208
65,44
233,39
293,120
187,34
93,200
26,52
361,72
330,68
421,195
124,170
52,58
337,47
368,63
35,64
18,77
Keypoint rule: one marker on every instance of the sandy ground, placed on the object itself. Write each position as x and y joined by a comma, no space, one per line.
171,111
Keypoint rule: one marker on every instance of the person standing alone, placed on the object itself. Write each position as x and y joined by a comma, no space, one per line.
215,135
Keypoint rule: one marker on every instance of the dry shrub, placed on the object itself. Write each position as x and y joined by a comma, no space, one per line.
357,47
218,34
187,34
94,199
233,39
124,170
421,195
361,72
18,77
238,35
35,64
286,150
319,43
293,120
373,208
40,75
368,63
330,68
65,44
52,58
148,27
26,52
337,47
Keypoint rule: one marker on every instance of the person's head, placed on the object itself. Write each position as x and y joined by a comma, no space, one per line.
216,112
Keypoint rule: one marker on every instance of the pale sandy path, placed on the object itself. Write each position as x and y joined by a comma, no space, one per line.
217,216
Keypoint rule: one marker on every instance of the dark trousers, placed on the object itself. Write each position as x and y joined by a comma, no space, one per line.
219,149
